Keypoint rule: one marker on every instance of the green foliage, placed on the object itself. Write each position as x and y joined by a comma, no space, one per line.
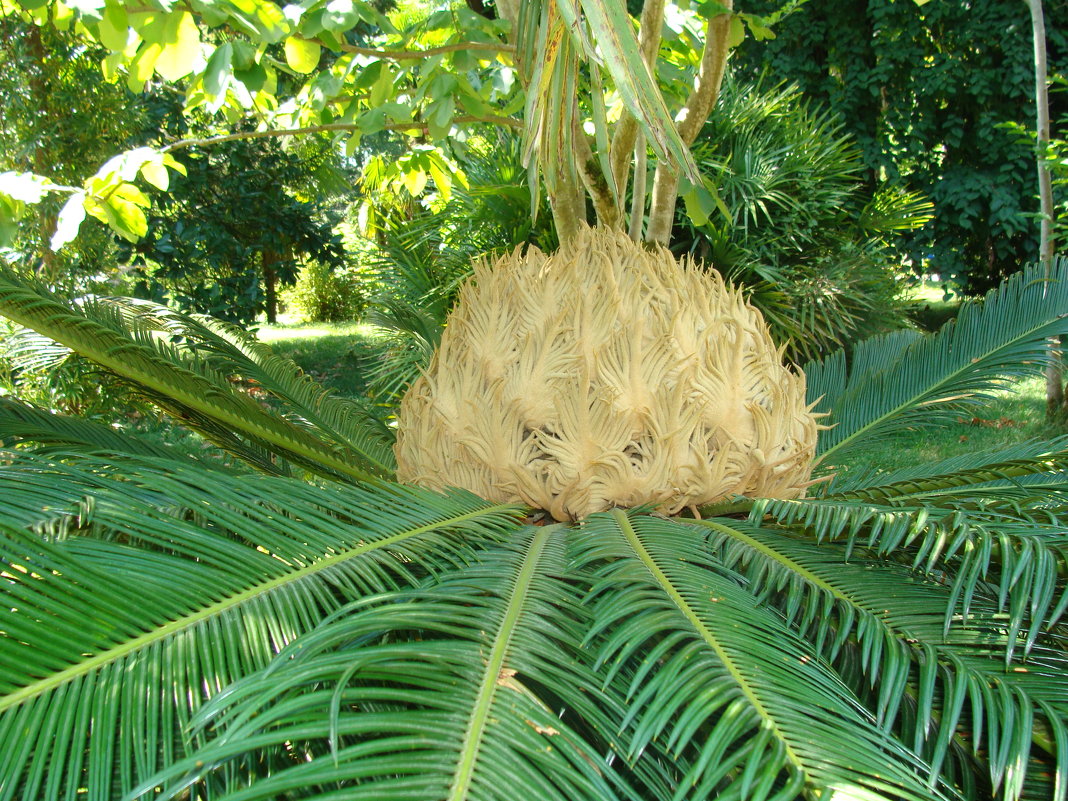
424,257
925,89
891,636
60,119
799,228
325,295
231,232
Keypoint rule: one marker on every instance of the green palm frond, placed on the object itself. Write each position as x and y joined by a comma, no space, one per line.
1010,462
706,667
181,383
1020,560
426,694
22,424
185,584
345,423
891,622
899,380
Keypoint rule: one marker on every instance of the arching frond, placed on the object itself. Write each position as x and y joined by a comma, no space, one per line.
188,581
27,425
1021,559
924,680
898,380
177,380
964,470
437,693
713,674
346,423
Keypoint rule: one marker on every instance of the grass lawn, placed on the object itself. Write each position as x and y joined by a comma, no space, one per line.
337,355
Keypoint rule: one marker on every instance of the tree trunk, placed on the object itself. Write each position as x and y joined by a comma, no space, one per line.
270,285
1055,401
690,121
42,162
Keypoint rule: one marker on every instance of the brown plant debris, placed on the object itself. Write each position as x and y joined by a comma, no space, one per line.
606,375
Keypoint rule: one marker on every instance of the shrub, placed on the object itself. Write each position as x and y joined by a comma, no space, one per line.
325,295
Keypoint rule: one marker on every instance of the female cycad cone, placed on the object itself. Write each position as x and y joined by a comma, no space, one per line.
606,375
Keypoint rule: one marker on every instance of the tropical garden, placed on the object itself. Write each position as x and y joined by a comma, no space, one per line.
606,486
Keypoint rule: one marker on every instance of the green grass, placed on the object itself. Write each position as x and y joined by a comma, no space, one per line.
337,355
1010,417
931,308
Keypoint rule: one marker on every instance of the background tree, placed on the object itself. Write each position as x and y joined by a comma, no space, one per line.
60,117
926,89
231,232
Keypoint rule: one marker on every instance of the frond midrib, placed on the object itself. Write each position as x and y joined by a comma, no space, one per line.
494,663
171,628
709,638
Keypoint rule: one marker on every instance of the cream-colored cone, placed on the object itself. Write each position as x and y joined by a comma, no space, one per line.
605,375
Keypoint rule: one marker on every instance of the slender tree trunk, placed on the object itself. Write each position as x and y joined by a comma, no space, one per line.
42,163
690,121
1055,401
270,285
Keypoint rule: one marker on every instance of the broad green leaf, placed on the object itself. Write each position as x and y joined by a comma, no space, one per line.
120,207
414,181
181,49
383,87
113,30
439,117
63,15
302,55
217,73
70,219
11,212
156,174
212,12
737,33
140,69
340,15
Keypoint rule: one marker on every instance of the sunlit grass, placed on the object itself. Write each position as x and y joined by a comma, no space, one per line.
1009,417
338,355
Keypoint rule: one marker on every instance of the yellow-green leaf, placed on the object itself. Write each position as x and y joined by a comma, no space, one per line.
141,67
181,47
156,174
302,55
737,32
113,31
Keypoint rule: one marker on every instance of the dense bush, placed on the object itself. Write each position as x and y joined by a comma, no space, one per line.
328,295
925,91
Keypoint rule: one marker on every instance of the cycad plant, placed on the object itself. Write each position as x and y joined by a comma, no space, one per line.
280,619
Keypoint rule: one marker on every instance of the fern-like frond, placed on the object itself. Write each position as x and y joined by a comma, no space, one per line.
1022,559
430,694
892,622
179,382
964,470
715,676
191,579
348,424
900,380
26,425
